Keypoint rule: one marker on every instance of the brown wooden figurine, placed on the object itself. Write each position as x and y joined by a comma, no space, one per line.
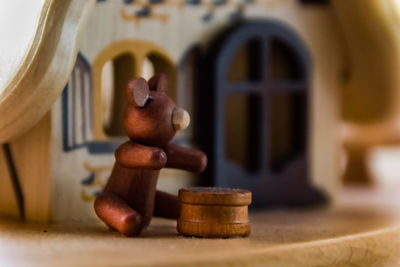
151,119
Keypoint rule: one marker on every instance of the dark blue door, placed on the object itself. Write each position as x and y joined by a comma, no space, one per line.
255,113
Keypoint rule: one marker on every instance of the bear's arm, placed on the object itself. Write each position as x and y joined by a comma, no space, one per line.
185,158
134,155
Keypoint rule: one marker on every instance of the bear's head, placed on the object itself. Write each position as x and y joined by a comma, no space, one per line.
151,117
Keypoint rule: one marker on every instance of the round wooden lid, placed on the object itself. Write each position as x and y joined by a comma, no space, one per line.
215,196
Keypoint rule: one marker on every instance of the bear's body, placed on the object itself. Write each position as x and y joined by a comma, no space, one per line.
151,119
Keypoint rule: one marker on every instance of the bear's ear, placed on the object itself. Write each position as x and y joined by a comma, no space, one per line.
159,83
137,92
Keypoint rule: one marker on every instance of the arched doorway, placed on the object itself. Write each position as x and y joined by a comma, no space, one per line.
256,129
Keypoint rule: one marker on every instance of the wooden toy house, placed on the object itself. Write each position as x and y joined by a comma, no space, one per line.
261,80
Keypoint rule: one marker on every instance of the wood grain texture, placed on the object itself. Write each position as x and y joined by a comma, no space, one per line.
31,156
42,62
214,212
33,163
362,230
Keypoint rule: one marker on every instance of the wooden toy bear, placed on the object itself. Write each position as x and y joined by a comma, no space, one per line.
151,119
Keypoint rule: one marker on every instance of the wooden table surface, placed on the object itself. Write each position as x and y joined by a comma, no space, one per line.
362,229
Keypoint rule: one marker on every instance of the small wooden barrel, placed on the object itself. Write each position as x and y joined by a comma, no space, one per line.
214,212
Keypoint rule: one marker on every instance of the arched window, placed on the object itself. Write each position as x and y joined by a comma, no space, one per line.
115,65
94,100
116,74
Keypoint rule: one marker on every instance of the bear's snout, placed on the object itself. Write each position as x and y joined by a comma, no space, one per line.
180,119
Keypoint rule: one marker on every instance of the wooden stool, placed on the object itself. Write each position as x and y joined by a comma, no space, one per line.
214,212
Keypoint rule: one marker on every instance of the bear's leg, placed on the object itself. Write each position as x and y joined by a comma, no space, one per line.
166,205
114,212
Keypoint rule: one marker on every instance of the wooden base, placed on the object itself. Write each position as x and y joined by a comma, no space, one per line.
361,230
